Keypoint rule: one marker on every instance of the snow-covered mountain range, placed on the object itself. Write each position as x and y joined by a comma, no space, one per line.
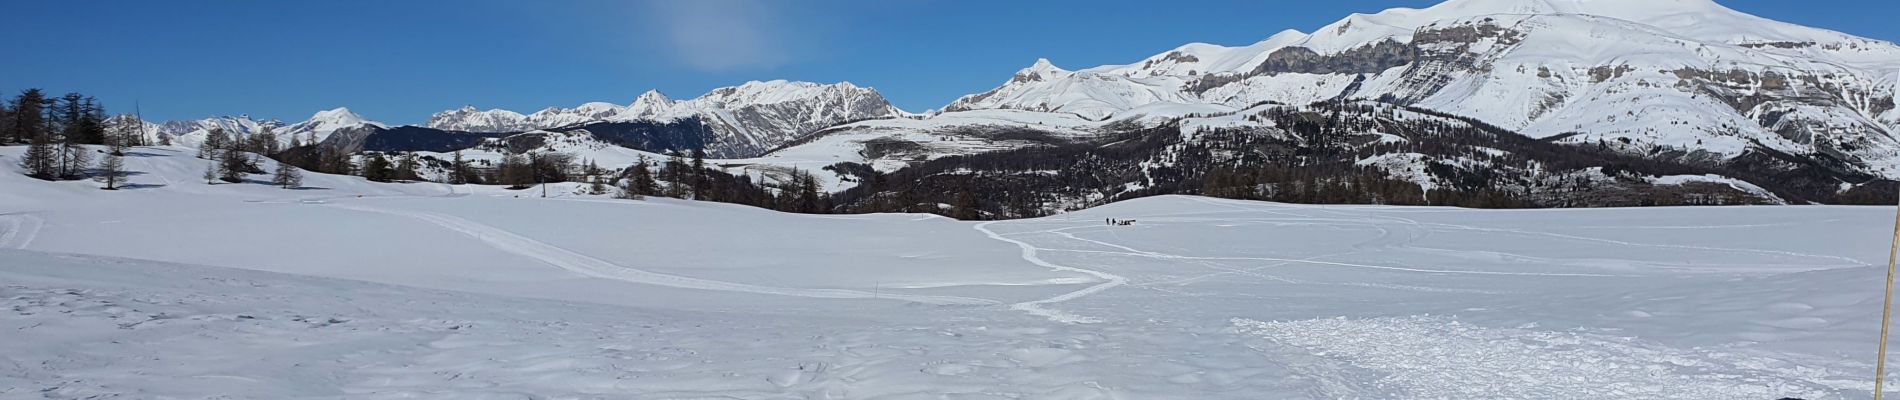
192,133
1651,76
1685,82
745,119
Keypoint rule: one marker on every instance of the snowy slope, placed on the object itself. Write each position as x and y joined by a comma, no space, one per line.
1095,96
430,291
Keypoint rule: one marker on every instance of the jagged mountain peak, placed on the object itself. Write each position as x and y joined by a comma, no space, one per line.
650,105
1040,71
652,97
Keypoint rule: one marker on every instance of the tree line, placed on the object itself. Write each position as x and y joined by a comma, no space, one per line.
56,131
680,174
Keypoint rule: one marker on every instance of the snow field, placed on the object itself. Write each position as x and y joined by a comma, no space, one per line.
353,289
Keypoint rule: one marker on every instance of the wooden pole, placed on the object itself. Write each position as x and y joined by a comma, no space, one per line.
1886,310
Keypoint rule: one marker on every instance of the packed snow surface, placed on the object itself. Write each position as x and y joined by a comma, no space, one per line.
348,289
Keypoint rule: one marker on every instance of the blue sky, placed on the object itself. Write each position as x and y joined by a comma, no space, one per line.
399,61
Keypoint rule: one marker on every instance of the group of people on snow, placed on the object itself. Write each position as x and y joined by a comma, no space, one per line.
1114,222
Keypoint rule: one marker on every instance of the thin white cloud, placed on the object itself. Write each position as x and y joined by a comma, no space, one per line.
721,34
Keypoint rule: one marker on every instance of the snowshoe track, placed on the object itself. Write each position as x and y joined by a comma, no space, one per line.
1036,306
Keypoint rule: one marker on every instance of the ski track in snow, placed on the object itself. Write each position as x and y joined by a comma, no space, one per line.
20,230
586,265
1029,253
1386,239
1345,264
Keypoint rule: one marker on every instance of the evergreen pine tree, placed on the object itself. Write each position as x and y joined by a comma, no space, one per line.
6,123
805,186
377,169
233,164
698,175
263,142
640,179
92,122
215,141
595,185
73,161
676,185
458,169
65,115
287,176
112,170
406,168
28,122
211,172
41,160
123,131
965,207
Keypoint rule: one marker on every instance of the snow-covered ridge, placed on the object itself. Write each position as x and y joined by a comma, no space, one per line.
1676,75
745,119
654,106
469,119
320,125
739,121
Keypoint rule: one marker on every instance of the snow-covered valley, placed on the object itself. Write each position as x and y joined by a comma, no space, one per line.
173,288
